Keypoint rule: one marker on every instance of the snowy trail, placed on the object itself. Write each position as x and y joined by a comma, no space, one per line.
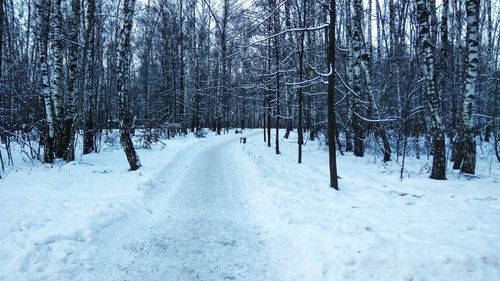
214,209
199,226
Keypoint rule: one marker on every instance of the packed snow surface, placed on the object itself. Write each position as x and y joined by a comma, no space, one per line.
216,209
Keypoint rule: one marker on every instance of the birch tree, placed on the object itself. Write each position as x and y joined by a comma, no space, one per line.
42,23
357,108
69,123
57,74
434,100
467,152
122,84
363,55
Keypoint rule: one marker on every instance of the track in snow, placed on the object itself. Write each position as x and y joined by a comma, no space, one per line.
199,228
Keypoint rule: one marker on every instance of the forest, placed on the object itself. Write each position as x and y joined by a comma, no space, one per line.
408,76
120,122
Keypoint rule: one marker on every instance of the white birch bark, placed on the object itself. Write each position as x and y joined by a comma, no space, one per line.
357,49
42,23
69,122
469,91
56,73
123,77
364,57
434,100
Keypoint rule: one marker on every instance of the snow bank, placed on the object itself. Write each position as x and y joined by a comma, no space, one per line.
48,215
377,227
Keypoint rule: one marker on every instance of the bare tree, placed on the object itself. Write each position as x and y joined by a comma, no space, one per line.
467,152
356,65
69,123
42,23
332,126
300,121
57,74
123,79
439,160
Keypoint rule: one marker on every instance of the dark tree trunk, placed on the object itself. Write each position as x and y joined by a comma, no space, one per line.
69,122
331,99
358,124
300,121
276,47
86,85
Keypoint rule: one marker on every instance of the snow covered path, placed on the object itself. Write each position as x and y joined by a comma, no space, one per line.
214,209
199,227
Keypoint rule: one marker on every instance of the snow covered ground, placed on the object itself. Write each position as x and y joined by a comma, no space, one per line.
376,227
215,209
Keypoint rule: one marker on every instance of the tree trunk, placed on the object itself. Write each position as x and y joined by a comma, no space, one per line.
56,75
468,165
300,121
42,23
364,57
434,100
332,126
350,76
288,99
182,87
358,125
276,47
85,93
69,122
123,77
269,92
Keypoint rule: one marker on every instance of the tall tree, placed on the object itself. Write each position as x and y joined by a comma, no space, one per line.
182,75
123,65
300,121
332,126
85,110
434,100
56,76
363,55
42,23
443,56
356,65
289,42
69,123
277,52
467,150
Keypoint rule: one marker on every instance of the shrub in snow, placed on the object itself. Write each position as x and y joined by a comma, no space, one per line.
111,140
201,133
147,138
